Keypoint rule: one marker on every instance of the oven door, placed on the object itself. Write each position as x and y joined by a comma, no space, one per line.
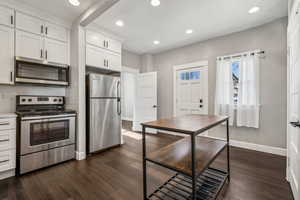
43,134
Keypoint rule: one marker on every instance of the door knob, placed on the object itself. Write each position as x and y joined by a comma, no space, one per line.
295,124
154,106
201,106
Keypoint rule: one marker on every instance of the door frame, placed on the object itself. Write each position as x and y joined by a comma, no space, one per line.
176,68
135,72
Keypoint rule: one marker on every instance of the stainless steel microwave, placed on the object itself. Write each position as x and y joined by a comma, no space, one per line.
33,72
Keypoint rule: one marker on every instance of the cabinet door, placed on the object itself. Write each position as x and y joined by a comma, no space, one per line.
6,16
114,61
29,45
95,57
114,45
56,32
6,55
95,39
28,23
56,51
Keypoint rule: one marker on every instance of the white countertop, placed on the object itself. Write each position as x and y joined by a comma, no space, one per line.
8,115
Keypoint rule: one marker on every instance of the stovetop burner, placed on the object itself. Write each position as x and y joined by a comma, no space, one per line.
43,113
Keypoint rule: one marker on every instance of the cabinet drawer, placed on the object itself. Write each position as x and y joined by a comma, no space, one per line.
7,124
7,140
7,160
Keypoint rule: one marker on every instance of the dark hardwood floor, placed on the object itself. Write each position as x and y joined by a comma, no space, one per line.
117,175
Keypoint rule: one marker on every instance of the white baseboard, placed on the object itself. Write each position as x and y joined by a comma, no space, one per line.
245,145
7,174
127,119
80,155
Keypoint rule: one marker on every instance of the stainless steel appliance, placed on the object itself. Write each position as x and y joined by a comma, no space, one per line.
33,72
103,112
46,132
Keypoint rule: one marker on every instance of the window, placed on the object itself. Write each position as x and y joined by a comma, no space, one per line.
235,76
190,75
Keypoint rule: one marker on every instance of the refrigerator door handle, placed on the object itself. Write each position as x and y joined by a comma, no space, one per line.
118,98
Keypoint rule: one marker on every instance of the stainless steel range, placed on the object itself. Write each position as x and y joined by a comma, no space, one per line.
46,132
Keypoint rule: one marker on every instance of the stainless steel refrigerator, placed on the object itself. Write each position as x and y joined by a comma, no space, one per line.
103,112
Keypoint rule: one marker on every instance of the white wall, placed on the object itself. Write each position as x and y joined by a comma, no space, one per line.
271,38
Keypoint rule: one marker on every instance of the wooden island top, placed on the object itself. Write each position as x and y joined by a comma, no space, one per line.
188,124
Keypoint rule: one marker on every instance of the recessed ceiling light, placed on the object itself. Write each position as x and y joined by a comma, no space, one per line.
155,3
74,2
254,10
189,31
120,23
156,42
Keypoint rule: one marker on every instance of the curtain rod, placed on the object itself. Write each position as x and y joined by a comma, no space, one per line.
240,55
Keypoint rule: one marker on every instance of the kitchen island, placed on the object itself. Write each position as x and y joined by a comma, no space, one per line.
190,158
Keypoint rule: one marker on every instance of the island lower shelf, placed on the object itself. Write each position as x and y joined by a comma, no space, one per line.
177,156
179,187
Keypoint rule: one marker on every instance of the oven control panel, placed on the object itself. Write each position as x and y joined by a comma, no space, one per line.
38,100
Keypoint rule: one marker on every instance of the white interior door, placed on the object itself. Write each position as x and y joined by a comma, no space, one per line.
146,100
294,107
128,95
191,91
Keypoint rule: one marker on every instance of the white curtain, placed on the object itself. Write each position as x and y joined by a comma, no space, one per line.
224,103
248,92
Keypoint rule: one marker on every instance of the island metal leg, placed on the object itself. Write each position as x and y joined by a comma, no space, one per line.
228,149
193,167
144,164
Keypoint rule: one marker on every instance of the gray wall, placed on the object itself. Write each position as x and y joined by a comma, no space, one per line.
271,38
130,59
8,95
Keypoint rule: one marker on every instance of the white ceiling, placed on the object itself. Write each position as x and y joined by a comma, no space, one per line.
60,8
168,22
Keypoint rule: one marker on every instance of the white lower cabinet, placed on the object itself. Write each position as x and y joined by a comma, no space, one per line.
6,55
95,57
56,51
29,45
7,145
100,58
114,61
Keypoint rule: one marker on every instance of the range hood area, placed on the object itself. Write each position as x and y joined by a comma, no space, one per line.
30,71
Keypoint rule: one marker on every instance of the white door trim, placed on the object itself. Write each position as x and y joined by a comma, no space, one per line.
182,67
130,70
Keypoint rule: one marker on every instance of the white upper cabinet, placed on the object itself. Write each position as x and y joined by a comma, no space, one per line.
113,45
99,40
114,61
95,57
56,51
29,45
95,39
56,32
6,16
30,24
6,55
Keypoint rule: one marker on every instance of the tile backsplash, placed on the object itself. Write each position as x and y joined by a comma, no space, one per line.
8,94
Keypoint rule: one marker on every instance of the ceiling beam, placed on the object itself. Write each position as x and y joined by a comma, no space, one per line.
95,11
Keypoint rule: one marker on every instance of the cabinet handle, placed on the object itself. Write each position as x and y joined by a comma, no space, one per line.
5,140
46,30
46,54
11,19
107,63
11,77
42,29
104,43
4,123
4,161
41,53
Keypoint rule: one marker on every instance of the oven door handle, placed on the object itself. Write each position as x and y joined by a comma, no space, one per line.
53,117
